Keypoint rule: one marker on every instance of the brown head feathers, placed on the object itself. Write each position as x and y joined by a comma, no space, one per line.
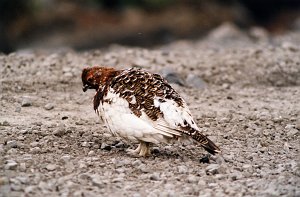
95,77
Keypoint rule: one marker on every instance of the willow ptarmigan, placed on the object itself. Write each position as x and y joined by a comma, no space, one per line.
142,107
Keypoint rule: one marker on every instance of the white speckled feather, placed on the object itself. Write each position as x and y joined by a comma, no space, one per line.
122,122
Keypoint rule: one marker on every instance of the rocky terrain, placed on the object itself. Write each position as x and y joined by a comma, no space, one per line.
242,88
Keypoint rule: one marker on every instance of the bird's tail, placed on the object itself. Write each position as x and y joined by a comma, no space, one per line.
205,142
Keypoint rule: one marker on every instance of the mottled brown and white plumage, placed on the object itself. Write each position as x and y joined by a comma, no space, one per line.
142,107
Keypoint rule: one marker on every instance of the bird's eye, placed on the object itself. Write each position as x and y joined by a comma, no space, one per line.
89,79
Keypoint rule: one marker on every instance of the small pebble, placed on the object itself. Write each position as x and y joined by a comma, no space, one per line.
120,145
29,189
59,131
192,179
84,144
18,109
11,165
105,146
12,144
82,166
154,177
51,167
136,163
292,132
49,106
97,181
22,167
212,169
155,150
34,144
65,158
35,150
4,123
143,168
182,169
26,102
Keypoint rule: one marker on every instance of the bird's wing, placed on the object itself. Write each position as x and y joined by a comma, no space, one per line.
177,118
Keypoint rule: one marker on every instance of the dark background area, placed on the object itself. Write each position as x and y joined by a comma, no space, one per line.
88,24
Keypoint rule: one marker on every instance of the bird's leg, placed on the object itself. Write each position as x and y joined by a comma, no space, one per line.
145,149
134,152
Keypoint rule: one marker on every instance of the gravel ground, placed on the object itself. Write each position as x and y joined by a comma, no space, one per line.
243,90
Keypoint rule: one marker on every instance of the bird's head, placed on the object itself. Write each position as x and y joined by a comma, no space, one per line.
95,77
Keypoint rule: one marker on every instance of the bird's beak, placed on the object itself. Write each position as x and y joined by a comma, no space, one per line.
85,87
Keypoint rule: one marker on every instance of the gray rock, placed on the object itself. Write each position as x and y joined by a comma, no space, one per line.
11,165
182,169
259,34
144,168
192,179
155,150
195,81
91,153
34,144
289,126
297,126
136,163
219,159
12,151
44,186
35,150
172,77
15,187
292,132
201,183
65,158
59,131
82,165
120,145
215,169
22,167
105,146
26,101
97,181
118,179
235,176
5,123
154,177
12,144
30,189
18,109
85,144
49,106
51,167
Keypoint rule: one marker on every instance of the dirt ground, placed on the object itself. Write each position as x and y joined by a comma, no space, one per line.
243,91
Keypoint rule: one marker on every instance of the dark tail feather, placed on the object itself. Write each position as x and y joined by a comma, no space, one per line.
211,147
206,143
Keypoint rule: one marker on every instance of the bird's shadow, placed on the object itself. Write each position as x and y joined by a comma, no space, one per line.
164,154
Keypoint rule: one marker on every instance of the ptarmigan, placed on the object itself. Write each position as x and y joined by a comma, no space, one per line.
142,107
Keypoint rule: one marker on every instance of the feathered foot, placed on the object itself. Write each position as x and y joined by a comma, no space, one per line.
141,151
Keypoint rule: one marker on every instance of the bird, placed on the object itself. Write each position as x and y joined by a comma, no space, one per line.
142,107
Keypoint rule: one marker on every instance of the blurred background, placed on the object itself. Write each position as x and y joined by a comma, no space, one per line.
90,24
